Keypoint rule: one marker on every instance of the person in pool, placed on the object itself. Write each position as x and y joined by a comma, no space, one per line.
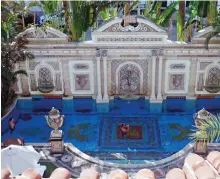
124,130
11,125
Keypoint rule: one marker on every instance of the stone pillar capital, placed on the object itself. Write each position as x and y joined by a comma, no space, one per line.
98,53
104,53
158,52
154,53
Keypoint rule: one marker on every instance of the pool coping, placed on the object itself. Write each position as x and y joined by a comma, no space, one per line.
80,161
10,109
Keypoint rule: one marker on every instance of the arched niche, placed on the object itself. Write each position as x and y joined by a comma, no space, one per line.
129,78
45,79
212,79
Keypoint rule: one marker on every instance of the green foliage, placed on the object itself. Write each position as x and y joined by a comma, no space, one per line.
180,28
165,16
49,6
10,54
202,8
84,15
105,14
212,13
207,129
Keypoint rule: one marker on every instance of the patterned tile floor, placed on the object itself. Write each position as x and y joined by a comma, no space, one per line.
148,137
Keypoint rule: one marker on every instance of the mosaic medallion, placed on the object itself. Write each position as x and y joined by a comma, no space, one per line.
144,133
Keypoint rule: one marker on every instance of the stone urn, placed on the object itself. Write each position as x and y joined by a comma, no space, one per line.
55,121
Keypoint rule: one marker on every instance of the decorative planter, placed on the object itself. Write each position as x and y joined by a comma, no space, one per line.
201,147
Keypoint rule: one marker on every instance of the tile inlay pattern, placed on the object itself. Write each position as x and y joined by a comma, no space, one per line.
150,132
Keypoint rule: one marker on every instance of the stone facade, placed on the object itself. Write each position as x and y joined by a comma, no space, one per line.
119,60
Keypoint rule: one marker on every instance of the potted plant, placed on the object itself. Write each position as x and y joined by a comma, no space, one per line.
207,130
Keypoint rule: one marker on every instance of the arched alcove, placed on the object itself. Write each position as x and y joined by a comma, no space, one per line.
212,81
129,78
45,80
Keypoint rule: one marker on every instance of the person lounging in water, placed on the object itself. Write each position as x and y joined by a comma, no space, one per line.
12,125
124,130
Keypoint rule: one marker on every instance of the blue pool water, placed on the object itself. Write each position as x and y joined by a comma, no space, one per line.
159,130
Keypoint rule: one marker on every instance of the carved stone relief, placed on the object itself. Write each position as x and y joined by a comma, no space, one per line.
119,28
58,85
177,66
116,63
129,79
39,33
176,81
203,65
33,82
33,64
129,39
81,66
55,65
200,82
82,82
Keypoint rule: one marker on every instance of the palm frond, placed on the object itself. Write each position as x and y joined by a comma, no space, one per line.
20,72
207,129
166,14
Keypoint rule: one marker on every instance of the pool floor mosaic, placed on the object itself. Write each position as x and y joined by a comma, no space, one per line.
146,130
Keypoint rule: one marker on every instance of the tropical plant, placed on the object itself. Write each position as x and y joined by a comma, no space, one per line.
213,33
84,15
50,7
207,130
181,21
11,53
212,13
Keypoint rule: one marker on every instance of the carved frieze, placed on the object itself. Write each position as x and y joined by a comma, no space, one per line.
81,66
129,39
177,66
117,27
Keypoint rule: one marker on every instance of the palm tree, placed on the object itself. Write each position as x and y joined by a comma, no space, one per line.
212,13
84,15
207,130
11,53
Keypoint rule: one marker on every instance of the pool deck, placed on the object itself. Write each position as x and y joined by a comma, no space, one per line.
76,161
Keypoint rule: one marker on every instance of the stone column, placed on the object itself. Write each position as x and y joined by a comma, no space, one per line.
99,90
159,95
154,57
104,57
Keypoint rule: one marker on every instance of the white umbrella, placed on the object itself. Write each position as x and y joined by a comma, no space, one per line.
18,158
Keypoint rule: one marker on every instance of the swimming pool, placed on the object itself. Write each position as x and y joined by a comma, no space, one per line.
157,130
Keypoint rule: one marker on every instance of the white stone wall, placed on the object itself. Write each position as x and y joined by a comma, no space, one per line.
185,67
